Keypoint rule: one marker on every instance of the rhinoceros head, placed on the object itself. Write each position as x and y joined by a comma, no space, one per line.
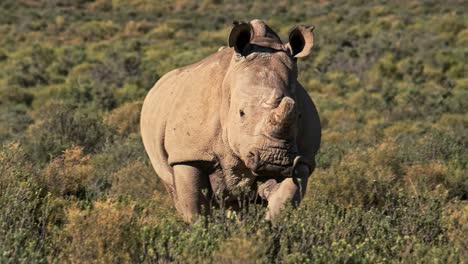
264,112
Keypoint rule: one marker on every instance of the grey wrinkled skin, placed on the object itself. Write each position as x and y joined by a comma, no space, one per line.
238,119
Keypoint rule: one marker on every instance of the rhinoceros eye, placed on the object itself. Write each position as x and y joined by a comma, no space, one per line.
241,113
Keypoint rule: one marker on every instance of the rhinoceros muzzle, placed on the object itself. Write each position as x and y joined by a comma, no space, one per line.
273,161
296,168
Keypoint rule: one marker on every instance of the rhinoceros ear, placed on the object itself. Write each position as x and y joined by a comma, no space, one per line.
240,36
301,41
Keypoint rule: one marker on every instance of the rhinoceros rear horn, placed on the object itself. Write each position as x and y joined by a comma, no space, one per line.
240,36
301,41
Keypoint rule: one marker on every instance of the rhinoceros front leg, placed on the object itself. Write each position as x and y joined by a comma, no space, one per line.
290,190
189,182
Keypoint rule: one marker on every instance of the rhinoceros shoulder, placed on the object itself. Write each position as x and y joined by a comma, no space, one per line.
189,101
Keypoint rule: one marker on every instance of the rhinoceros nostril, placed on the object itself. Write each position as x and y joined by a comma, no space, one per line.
252,160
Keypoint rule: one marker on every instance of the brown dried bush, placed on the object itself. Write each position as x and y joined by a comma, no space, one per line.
125,118
102,234
137,180
68,174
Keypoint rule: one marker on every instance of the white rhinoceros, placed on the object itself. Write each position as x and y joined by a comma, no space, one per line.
236,119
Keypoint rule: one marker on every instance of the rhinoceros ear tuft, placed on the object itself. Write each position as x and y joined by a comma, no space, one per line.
301,41
240,36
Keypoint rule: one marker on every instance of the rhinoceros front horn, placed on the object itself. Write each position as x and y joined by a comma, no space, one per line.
280,121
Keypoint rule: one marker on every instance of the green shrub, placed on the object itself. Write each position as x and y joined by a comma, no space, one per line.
93,30
14,120
67,58
62,126
23,217
29,68
137,180
115,157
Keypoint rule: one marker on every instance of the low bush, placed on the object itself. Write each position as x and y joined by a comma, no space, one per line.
63,126
24,209
125,119
68,174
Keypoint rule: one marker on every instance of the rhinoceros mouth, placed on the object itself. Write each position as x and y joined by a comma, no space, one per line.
271,160
276,157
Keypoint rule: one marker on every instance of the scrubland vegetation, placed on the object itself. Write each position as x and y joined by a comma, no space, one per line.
389,79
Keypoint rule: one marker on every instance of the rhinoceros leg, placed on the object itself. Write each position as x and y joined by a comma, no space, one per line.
189,182
290,190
